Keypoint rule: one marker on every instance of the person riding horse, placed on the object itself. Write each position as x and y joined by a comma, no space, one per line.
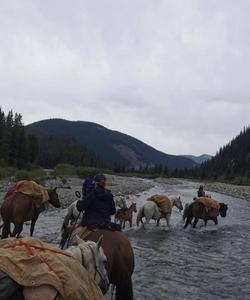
98,205
201,192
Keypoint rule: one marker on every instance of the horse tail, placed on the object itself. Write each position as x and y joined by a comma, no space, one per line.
139,216
124,289
189,215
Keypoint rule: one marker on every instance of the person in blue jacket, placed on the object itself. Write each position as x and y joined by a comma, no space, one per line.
98,205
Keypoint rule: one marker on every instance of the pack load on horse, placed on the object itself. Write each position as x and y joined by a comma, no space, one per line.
31,269
119,253
204,208
120,201
125,214
24,202
157,207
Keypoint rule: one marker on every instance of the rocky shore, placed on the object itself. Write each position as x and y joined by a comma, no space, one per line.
238,191
67,188
127,186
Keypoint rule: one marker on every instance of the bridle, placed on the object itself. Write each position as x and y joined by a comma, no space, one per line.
97,270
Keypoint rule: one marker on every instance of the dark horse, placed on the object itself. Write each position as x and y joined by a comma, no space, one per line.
198,211
120,258
18,208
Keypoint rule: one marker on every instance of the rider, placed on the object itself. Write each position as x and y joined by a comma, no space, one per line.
201,192
98,205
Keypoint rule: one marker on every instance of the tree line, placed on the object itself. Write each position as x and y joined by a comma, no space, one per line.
16,148
20,149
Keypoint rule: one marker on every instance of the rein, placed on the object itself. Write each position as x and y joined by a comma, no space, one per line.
97,271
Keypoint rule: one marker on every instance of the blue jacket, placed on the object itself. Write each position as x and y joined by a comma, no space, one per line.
98,206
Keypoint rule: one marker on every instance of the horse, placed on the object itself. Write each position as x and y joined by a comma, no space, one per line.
86,253
198,211
125,214
120,257
18,208
73,215
92,257
150,210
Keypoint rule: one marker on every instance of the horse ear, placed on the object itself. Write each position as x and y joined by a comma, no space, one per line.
99,242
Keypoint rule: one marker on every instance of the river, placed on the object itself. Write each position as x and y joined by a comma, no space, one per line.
206,263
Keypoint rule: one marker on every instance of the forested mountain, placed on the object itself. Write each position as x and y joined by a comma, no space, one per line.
113,147
199,159
19,148
231,160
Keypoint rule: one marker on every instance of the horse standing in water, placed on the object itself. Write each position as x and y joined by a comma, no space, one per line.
150,210
125,214
198,210
18,208
119,253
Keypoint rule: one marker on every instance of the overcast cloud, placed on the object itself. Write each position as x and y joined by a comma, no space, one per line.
174,74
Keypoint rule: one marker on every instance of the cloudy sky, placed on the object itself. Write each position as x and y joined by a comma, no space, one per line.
172,73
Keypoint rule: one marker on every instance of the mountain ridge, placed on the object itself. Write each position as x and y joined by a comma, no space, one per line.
113,146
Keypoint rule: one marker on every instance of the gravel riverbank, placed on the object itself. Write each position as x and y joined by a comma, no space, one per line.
129,186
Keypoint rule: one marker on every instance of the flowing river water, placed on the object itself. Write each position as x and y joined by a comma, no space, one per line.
210,262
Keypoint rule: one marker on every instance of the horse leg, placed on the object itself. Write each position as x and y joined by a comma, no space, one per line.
124,288
17,230
32,226
157,222
123,224
205,221
5,230
215,220
168,220
195,222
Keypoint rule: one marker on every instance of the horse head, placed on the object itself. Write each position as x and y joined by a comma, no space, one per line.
223,210
53,197
177,202
94,260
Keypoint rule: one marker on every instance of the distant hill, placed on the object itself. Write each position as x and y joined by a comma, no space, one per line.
112,146
231,160
199,159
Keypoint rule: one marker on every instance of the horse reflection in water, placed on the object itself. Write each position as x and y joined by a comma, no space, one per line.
150,210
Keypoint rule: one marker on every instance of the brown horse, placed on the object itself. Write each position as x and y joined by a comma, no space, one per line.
18,208
125,214
198,211
120,258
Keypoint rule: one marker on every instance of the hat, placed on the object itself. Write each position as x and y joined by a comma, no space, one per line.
99,177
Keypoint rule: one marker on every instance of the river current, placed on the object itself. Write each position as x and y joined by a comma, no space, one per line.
211,262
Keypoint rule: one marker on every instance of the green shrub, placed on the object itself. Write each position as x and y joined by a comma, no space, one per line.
35,174
22,174
84,172
65,169
7,172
